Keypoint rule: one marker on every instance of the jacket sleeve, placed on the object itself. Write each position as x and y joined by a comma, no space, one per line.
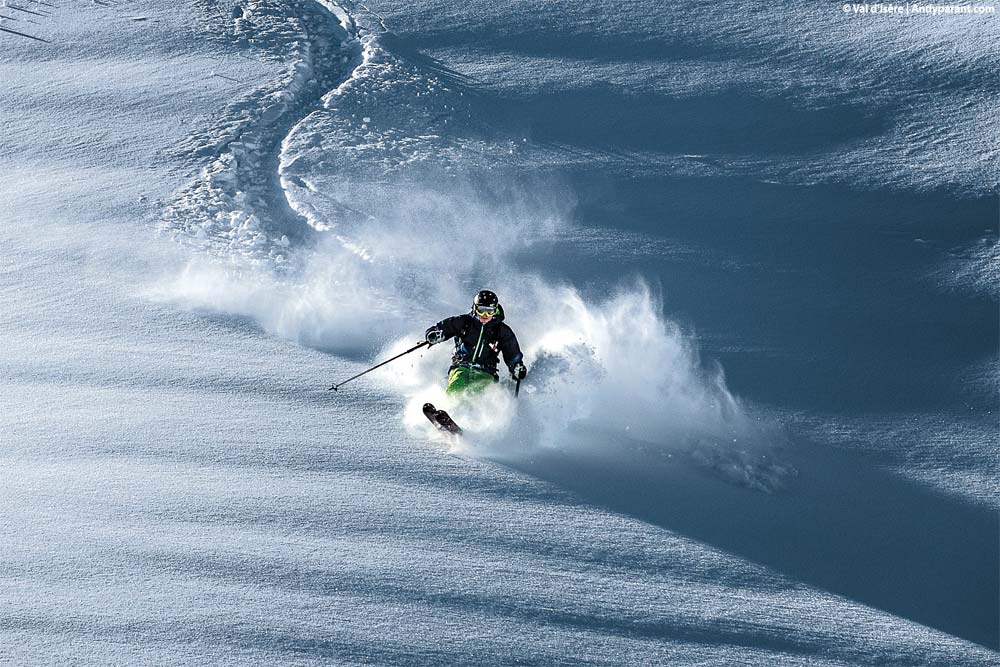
509,346
451,326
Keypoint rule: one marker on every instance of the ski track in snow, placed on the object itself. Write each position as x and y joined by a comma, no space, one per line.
237,208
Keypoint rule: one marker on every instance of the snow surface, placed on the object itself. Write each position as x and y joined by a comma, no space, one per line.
211,214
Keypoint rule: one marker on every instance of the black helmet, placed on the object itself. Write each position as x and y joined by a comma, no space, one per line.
486,303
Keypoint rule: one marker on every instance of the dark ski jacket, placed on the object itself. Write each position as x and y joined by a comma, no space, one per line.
479,346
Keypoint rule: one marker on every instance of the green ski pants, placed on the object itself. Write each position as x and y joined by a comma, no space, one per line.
468,381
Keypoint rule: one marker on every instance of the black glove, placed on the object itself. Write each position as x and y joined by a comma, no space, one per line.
434,336
518,371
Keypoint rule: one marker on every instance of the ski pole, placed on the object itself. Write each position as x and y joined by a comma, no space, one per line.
415,347
517,387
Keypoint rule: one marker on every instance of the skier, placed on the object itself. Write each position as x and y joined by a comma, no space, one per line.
480,336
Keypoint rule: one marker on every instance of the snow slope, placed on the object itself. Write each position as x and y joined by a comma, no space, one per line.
211,213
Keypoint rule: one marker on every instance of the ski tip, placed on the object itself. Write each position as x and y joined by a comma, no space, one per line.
441,419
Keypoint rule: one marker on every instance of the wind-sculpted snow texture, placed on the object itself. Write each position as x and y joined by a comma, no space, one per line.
749,252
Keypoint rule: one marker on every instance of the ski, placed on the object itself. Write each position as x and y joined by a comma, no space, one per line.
441,419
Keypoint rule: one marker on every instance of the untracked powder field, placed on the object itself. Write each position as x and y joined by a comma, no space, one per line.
708,292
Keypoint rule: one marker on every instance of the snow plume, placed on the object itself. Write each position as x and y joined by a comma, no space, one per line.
606,374
605,369
619,365
413,256
403,224
325,309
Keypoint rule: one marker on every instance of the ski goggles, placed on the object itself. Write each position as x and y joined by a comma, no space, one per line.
486,310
